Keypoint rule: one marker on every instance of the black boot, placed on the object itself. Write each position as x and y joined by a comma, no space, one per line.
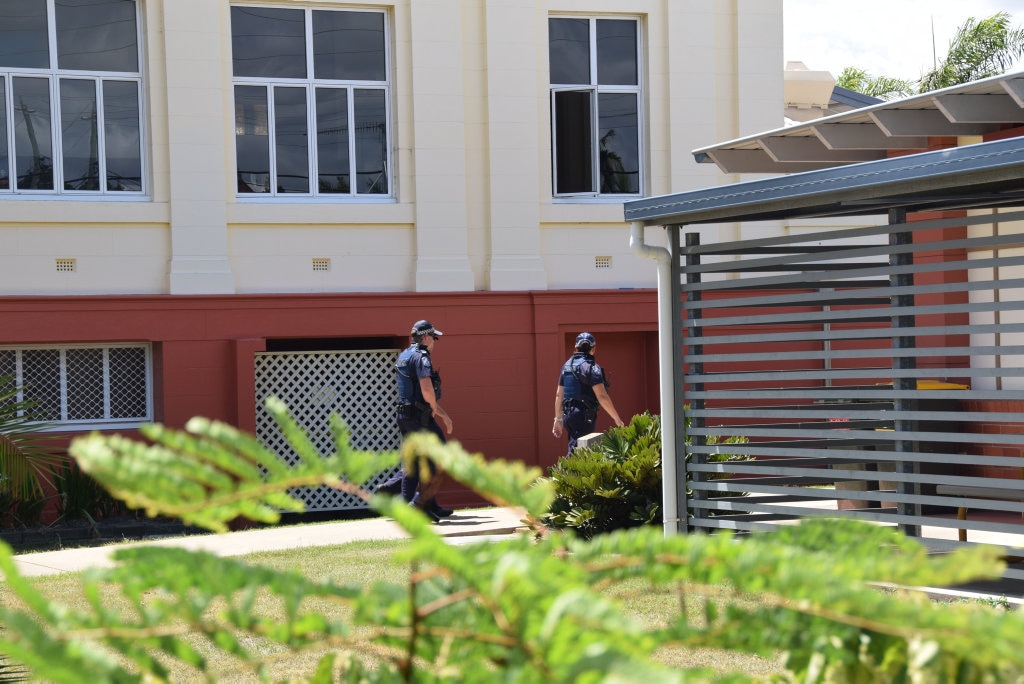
437,509
434,517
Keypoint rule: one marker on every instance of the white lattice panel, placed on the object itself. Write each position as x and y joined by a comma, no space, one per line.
357,385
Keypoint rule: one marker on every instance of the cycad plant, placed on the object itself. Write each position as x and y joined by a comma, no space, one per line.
828,600
617,482
28,459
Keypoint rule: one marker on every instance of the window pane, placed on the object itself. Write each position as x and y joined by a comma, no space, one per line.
23,34
123,136
252,139
98,35
128,382
616,52
573,142
569,51
40,377
268,43
291,134
5,160
85,384
33,146
371,142
80,147
349,46
333,173
618,131
8,378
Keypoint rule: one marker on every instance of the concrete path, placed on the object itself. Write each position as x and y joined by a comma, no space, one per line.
463,526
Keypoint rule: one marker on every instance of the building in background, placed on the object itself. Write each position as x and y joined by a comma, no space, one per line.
203,202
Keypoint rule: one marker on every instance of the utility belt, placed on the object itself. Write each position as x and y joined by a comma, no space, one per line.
418,410
579,403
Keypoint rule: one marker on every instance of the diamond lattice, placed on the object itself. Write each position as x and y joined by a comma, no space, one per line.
358,386
8,369
127,378
40,373
84,368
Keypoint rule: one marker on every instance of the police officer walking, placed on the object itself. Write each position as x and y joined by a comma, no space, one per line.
419,392
582,388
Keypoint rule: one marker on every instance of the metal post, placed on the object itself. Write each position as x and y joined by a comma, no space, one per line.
693,314
898,215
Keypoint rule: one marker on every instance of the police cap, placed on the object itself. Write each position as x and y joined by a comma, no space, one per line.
585,339
421,328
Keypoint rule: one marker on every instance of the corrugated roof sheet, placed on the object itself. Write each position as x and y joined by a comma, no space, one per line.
869,133
983,175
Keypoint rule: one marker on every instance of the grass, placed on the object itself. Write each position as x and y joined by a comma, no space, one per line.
364,562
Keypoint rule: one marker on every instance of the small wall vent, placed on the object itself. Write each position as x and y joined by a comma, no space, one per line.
602,262
65,265
321,264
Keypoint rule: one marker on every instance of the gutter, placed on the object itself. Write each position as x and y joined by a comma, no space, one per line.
666,345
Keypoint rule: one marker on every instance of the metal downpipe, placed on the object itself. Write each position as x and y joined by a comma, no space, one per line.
670,512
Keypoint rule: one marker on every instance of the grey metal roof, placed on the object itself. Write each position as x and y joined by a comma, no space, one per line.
987,174
869,133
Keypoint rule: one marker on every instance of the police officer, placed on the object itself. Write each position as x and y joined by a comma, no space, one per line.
582,388
419,389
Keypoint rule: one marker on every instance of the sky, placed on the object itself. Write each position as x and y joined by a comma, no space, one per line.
884,37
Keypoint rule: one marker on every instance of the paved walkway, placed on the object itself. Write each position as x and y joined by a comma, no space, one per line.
464,525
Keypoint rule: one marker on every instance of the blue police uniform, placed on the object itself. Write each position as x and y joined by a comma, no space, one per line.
579,375
413,413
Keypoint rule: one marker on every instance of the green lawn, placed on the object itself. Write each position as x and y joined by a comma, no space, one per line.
370,561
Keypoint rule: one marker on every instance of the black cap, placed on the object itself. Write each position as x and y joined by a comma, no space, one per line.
421,328
585,338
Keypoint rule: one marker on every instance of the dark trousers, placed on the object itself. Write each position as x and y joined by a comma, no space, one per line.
411,477
577,421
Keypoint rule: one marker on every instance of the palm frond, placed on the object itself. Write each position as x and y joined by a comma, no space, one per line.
28,457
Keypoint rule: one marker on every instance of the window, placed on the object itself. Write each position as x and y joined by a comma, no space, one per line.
595,106
102,386
70,84
303,70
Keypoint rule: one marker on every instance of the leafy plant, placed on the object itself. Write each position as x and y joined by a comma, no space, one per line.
80,496
28,459
530,609
612,484
617,482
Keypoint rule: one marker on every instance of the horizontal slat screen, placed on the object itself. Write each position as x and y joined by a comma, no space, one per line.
870,372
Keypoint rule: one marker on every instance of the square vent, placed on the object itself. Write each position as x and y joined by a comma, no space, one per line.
602,262
65,265
321,264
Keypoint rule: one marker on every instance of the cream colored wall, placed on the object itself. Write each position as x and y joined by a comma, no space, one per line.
473,207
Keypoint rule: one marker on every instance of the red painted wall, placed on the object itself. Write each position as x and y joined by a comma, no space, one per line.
499,358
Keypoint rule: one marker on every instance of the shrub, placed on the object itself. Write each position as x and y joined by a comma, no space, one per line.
529,609
28,458
617,482
81,497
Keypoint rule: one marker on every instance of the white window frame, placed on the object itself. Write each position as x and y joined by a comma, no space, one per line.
595,90
54,75
310,84
65,425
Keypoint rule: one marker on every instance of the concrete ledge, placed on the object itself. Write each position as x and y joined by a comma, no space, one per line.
587,440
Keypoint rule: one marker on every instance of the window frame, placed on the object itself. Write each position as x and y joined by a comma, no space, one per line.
311,85
107,423
595,90
55,76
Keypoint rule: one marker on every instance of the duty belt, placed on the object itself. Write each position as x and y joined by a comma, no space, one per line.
578,403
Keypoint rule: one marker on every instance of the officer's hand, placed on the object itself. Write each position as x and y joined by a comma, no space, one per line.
447,423
557,429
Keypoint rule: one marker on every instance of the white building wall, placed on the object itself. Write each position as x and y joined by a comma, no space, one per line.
471,151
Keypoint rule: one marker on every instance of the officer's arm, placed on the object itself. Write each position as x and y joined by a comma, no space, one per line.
427,388
556,429
605,400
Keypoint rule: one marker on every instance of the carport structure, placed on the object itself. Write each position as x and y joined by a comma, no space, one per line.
857,349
